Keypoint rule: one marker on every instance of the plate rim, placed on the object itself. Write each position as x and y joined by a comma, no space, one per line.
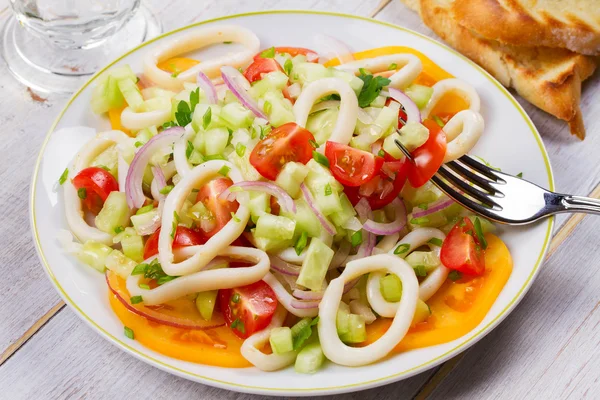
464,345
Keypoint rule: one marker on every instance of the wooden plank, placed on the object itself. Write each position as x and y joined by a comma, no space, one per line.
573,163
548,347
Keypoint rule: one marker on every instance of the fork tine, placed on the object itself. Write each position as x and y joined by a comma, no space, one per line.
463,200
470,190
465,173
481,168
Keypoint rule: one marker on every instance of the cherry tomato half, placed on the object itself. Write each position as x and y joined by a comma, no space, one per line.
261,66
221,209
94,184
462,251
383,188
289,142
183,237
429,157
248,309
350,166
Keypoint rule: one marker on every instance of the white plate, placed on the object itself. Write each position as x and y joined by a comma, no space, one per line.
510,141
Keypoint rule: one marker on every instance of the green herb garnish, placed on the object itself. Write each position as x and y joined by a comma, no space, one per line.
420,270
145,209
136,299
454,275
268,53
401,249
479,232
189,149
239,325
438,121
235,217
320,158
119,229
140,269
328,190
371,88
206,118
419,221
240,149
392,67
356,238
166,190
224,170
82,193
63,176
287,66
301,243
129,333
267,107
436,242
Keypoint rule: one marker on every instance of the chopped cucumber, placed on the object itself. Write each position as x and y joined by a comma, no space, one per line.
379,102
413,135
156,104
215,141
132,94
144,219
422,312
354,81
309,72
205,303
155,91
387,120
391,288
94,254
306,221
258,205
236,116
357,331
280,109
124,72
328,200
109,159
281,340
198,122
146,134
319,175
121,265
132,244
113,95
114,213
273,81
270,245
433,220
310,359
345,214
427,259
390,147
291,176
315,265
419,94
275,227
427,193
321,124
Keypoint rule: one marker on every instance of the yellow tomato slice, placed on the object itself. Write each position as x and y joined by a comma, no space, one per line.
177,65
457,307
217,346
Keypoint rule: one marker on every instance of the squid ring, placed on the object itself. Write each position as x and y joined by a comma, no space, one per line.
311,93
73,209
427,288
462,133
409,64
212,279
181,161
197,177
197,39
262,361
285,299
141,120
332,346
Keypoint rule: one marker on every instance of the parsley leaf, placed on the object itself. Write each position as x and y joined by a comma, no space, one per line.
268,53
183,114
371,88
206,118
304,333
479,232
194,99
189,149
287,66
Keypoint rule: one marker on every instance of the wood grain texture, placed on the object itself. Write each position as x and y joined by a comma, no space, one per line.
65,359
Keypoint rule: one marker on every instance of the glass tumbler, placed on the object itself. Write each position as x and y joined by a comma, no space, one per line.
55,45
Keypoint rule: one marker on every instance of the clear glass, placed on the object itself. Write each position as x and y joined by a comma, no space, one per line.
54,45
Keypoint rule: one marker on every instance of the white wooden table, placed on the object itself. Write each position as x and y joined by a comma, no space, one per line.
549,347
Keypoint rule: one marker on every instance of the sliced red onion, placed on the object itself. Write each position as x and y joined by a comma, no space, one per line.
435,207
235,82
161,182
369,240
307,294
352,224
392,227
123,170
304,305
271,189
375,147
411,109
133,183
311,203
207,87
151,226
341,254
334,47
277,264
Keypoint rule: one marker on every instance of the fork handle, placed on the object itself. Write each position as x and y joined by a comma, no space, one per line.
582,204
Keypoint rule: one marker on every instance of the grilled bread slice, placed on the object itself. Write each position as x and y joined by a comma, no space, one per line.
548,78
569,24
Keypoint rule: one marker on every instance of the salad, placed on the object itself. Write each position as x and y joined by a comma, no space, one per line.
253,208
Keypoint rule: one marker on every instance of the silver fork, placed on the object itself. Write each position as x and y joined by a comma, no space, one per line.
502,197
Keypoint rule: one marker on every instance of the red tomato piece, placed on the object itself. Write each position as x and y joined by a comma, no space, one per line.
350,166
261,66
289,142
248,309
221,209
383,188
183,237
429,157
462,251
311,56
95,184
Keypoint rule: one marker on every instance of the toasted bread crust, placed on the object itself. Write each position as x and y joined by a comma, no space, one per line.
548,78
547,24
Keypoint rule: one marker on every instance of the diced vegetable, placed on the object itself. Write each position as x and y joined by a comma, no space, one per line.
215,141
281,340
357,331
274,227
132,94
419,94
306,221
236,116
321,124
315,265
94,254
205,303
273,81
413,135
422,312
279,110
310,359
391,288
117,262
114,213
427,259
345,214
291,176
